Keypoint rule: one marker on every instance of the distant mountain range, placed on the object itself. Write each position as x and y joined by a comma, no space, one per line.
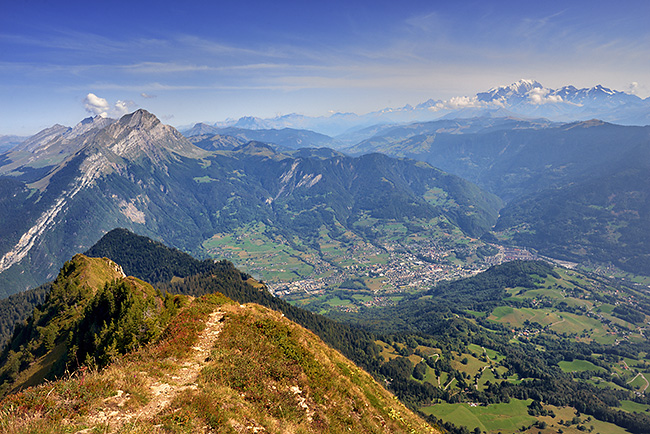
524,98
286,137
63,188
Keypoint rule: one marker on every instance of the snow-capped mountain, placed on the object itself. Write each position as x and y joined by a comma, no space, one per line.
529,93
524,98
568,103
515,93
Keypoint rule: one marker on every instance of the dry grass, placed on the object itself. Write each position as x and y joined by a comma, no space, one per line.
261,373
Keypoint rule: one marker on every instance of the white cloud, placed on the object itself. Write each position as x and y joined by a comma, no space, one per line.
457,102
147,96
96,105
122,107
99,106
540,96
463,102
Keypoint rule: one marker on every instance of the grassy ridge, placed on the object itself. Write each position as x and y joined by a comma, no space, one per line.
92,315
262,372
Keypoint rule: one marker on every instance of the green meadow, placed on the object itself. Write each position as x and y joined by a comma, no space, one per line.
496,417
578,365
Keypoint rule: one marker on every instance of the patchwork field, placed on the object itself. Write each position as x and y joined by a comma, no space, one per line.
338,269
341,274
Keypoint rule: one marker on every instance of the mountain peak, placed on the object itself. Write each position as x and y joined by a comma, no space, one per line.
428,104
139,119
600,89
517,90
258,149
90,123
251,123
141,134
200,129
525,84
42,137
585,124
520,86
78,299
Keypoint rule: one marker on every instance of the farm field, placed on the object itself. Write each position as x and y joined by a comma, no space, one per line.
396,258
634,407
491,418
513,417
578,365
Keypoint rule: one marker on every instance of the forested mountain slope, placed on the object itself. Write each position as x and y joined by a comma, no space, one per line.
62,192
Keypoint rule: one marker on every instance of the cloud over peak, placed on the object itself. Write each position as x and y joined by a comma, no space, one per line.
541,95
98,106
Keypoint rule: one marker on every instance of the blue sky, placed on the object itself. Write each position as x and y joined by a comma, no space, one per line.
207,61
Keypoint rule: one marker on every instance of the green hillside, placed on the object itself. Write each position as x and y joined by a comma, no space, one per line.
521,330
603,219
172,363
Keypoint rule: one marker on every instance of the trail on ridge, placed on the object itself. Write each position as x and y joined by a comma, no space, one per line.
114,416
